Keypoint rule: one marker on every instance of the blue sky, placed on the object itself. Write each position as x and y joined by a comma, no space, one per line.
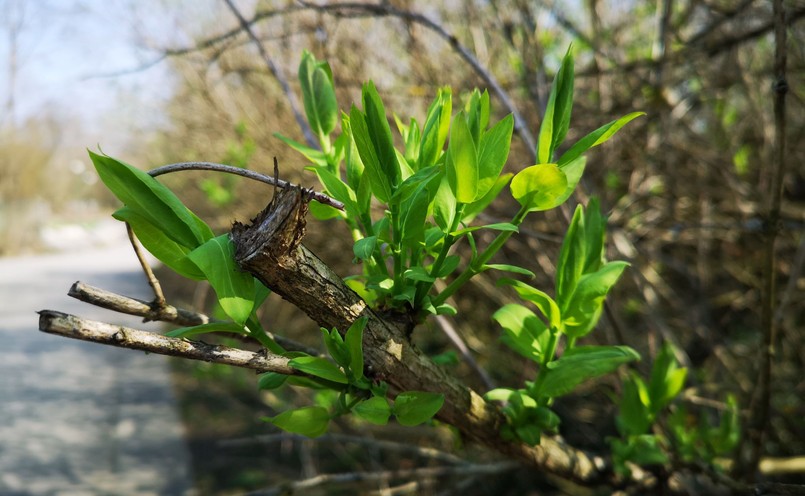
73,57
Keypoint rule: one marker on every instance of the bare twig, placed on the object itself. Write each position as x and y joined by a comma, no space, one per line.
454,337
387,475
159,297
178,316
356,9
761,397
70,326
423,451
275,71
210,166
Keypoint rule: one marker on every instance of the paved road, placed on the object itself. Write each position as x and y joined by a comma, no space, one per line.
80,418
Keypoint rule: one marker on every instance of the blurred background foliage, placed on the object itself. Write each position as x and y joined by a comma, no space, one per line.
685,187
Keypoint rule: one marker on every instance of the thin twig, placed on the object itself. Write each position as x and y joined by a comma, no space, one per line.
159,297
211,166
170,314
70,326
423,451
275,71
454,337
387,475
761,396
355,9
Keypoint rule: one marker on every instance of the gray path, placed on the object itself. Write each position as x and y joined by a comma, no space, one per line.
79,418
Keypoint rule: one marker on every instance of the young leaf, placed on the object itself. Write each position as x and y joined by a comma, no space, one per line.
499,226
375,410
234,287
379,181
363,248
595,225
319,367
380,138
415,407
580,364
556,120
509,268
186,332
154,239
444,205
572,255
152,200
667,379
310,421
585,305
524,332
462,162
336,347
318,94
414,197
633,417
473,209
271,380
539,187
493,150
354,342
597,137
545,303
437,126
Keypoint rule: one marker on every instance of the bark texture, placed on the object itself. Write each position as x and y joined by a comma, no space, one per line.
270,248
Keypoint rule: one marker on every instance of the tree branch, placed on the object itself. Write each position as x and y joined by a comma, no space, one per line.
70,326
178,316
355,9
270,249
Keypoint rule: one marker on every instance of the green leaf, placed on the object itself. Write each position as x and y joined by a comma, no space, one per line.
499,226
310,421
540,299
462,162
556,120
271,380
318,94
319,367
151,200
580,364
585,305
449,265
573,172
539,187
529,434
363,248
380,140
667,379
524,332
186,332
234,287
572,255
597,137
506,395
336,346
471,210
418,273
375,410
595,225
493,151
509,268
414,197
154,239
415,407
436,128
354,342
444,205
317,157
634,417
